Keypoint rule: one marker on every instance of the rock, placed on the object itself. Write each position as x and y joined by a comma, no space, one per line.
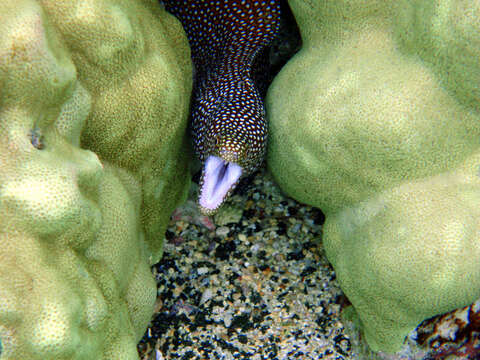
93,112
376,121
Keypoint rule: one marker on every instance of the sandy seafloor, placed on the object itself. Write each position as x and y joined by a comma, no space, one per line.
250,283
253,282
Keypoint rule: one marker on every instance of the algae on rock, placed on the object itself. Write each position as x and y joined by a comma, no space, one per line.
376,121
93,159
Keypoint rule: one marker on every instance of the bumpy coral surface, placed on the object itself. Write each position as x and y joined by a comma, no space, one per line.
93,111
377,122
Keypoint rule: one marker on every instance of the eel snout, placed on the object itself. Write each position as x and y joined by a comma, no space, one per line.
218,180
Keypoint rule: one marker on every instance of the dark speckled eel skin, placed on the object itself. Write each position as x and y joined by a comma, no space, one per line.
228,117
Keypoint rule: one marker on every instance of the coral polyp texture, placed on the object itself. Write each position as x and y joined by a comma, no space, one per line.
93,159
376,121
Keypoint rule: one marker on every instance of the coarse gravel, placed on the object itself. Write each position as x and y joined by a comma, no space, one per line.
250,283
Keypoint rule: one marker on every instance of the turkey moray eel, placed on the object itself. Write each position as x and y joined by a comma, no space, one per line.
227,117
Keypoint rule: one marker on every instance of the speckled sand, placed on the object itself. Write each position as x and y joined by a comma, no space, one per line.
254,285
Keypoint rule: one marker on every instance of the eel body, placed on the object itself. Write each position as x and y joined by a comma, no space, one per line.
227,118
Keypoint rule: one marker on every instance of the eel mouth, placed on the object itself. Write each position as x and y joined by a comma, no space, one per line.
219,178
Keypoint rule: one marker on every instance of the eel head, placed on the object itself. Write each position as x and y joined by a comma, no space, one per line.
223,168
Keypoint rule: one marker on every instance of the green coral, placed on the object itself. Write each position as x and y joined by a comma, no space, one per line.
93,159
377,122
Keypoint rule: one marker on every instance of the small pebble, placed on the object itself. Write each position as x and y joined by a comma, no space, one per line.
202,271
222,231
206,296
